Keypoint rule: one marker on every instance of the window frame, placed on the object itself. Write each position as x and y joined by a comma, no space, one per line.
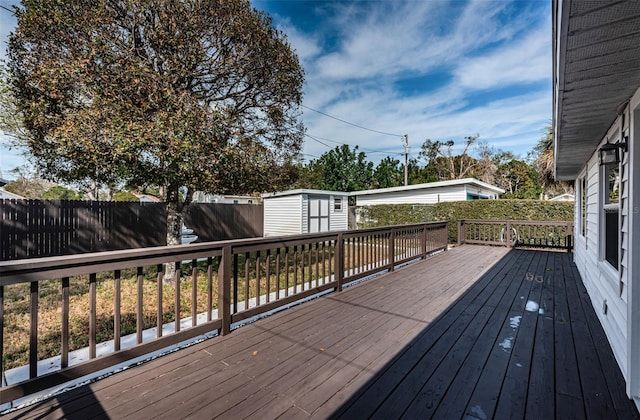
609,212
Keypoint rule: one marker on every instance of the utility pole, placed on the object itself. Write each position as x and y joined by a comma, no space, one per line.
406,159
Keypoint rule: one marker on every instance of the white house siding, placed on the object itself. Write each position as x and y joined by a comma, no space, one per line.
282,215
631,244
602,282
430,196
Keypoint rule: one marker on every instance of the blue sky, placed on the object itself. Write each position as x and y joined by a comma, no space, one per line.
432,69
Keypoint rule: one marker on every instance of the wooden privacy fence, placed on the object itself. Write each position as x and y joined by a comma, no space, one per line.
220,285
517,233
37,228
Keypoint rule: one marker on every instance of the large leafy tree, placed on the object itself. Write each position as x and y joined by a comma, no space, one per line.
388,173
185,95
342,169
518,179
440,155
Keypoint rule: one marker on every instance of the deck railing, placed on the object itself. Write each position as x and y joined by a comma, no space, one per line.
517,233
220,284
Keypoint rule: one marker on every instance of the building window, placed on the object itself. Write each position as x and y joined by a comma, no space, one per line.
611,213
337,204
583,205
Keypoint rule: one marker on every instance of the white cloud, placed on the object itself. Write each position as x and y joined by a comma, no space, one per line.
479,46
524,61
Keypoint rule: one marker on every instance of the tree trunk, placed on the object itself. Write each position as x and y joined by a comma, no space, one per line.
174,237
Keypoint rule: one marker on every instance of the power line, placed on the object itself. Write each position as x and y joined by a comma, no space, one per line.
364,149
350,123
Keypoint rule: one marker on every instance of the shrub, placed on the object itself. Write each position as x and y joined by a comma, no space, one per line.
400,214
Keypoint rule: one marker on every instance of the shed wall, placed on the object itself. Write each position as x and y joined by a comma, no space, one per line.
338,220
283,215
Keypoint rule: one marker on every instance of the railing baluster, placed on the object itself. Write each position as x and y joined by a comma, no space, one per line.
295,269
176,303
302,263
33,331
286,271
117,305
194,293
339,262
235,282
268,278
210,287
64,336
310,259
331,249
257,278
278,273
92,316
247,261
159,309
392,250
139,306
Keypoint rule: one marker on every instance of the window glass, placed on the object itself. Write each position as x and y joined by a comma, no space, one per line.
337,204
611,209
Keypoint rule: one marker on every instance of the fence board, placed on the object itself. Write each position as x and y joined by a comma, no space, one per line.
35,228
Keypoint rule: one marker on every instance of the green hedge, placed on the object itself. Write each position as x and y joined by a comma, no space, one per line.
400,214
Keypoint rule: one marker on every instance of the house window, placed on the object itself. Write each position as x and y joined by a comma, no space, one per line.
337,204
583,205
611,213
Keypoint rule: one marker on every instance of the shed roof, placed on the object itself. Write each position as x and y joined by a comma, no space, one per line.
303,191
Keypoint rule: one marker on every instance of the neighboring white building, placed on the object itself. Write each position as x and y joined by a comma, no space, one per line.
6,195
429,193
597,101
563,197
202,197
304,211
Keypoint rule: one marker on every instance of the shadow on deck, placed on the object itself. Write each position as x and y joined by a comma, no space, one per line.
475,332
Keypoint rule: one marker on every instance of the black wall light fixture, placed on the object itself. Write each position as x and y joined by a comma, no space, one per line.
610,152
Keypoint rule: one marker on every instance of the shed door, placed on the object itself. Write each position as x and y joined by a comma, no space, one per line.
318,214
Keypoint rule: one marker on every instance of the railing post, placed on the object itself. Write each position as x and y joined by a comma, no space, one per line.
425,228
224,290
569,236
392,249
461,232
445,236
339,262
507,235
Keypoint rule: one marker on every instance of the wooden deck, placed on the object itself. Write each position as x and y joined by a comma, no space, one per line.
475,332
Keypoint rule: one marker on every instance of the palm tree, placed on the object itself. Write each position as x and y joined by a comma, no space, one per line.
544,164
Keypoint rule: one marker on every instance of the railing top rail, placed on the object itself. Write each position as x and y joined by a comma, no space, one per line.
44,268
519,222
392,227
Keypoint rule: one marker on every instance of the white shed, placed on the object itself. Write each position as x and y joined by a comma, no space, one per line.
304,211
429,193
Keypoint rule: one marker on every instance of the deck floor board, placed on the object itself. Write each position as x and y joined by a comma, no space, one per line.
475,332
